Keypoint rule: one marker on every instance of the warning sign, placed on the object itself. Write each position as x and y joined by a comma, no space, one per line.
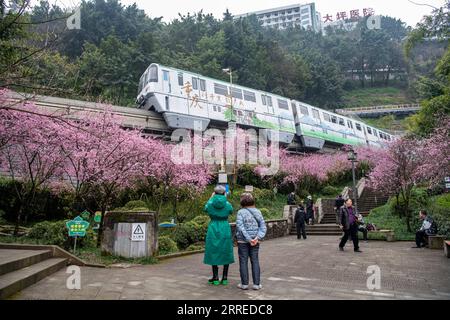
138,231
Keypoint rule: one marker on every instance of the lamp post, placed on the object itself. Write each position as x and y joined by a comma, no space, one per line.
229,72
353,156
232,124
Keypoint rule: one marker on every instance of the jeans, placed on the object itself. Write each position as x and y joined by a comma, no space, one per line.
301,231
353,232
245,251
421,238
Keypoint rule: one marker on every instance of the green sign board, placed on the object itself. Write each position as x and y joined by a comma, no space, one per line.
77,227
98,217
85,215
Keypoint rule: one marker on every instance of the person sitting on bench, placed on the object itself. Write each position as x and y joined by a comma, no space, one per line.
428,228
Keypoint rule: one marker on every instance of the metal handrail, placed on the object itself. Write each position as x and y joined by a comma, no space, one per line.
411,106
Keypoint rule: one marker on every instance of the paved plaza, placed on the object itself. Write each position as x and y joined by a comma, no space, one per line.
291,269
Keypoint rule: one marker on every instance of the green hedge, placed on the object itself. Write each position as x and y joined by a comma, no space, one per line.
56,233
166,245
189,233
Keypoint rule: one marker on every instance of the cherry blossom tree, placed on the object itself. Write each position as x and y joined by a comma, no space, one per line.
167,181
30,156
101,158
398,171
436,154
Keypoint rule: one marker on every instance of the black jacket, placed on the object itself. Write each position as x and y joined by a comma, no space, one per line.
343,217
300,215
339,202
291,200
309,206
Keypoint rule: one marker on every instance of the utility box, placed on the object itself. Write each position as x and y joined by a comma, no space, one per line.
130,234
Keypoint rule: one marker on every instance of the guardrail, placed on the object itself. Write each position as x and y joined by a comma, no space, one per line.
401,108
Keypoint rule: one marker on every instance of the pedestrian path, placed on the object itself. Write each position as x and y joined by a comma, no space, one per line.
291,269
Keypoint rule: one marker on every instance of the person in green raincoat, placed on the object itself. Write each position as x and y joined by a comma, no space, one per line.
219,242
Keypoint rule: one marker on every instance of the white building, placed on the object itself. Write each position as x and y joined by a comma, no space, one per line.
304,15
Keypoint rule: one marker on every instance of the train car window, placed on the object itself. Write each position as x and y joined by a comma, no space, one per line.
326,117
375,133
350,124
341,122
263,98
166,75
214,108
180,79
236,93
219,108
334,119
202,85
358,127
220,89
304,110
153,74
269,101
195,83
141,83
249,96
369,130
316,114
282,104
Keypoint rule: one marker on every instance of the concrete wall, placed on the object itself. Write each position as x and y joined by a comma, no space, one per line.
275,229
116,238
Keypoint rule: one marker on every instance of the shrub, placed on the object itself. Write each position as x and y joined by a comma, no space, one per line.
263,194
330,191
166,245
2,219
440,212
195,247
135,204
189,233
265,212
202,220
56,233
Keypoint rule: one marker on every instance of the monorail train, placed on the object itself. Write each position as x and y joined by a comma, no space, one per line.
192,101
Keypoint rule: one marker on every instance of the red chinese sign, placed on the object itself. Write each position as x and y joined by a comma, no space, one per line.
354,15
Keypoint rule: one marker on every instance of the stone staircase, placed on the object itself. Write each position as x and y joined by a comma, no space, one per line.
329,218
371,199
21,268
368,198
320,230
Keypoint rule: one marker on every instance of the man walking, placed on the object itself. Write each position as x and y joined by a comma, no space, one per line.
338,203
348,223
299,220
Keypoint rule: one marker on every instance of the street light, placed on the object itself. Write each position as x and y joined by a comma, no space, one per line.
353,156
232,124
229,72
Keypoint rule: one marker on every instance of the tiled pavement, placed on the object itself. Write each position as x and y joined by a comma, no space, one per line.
291,269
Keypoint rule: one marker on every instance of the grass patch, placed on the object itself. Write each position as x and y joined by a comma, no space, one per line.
94,256
384,219
389,122
375,96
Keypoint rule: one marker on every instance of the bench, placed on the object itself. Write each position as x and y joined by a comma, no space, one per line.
388,234
436,242
447,248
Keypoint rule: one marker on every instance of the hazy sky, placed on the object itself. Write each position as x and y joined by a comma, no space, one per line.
169,9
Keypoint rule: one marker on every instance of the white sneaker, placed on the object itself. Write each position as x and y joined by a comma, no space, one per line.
257,287
242,286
